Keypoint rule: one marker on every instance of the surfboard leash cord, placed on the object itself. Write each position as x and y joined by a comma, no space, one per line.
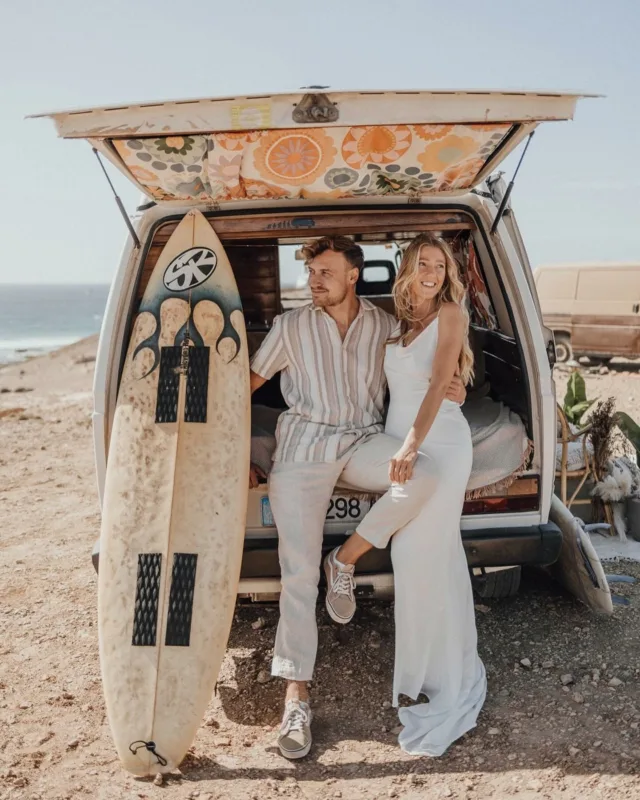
151,747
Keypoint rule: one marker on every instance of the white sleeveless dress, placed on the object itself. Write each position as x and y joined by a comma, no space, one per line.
436,641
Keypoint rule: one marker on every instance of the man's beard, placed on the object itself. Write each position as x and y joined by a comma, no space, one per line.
330,300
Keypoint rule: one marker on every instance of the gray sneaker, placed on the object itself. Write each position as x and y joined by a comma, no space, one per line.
294,739
340,602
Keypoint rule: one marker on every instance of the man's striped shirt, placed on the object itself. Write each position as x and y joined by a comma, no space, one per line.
334,389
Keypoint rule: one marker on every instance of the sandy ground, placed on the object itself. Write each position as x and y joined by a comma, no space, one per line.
562,717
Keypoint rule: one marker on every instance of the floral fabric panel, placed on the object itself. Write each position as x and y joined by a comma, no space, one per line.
312,162
482,311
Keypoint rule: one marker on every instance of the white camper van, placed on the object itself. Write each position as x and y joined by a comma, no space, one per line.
272,171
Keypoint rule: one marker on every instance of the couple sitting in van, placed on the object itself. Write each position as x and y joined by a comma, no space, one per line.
337,356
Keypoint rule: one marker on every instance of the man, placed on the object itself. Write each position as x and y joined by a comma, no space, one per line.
330,354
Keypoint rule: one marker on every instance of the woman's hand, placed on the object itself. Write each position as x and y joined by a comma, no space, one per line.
401,465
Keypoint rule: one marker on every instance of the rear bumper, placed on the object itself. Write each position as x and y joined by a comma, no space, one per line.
489,547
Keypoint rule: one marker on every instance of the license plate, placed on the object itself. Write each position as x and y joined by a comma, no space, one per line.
341,509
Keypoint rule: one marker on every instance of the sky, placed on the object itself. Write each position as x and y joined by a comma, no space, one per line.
576,196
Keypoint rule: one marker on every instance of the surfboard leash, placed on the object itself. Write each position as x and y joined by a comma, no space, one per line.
151,747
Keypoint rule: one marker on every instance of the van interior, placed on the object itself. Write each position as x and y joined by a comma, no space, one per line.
264,254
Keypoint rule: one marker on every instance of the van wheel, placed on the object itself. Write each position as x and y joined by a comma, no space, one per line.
494,585
564,351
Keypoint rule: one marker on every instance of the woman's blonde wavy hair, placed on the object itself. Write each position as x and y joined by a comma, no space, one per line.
452,291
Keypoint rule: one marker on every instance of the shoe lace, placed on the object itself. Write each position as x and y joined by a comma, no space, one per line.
344,584
295,719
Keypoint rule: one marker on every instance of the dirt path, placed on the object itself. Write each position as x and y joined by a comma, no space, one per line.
537,738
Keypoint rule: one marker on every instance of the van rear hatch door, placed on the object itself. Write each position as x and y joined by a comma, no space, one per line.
314,146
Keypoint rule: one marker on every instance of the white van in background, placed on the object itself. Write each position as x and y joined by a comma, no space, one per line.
593,309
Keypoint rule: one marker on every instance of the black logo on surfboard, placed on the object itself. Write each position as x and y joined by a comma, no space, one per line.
189,269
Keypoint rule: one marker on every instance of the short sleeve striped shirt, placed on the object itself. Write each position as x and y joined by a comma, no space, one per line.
335,389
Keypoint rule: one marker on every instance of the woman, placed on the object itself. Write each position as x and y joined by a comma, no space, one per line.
436,642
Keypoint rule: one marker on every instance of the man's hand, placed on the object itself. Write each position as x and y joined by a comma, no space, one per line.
255,473
456,391
401,465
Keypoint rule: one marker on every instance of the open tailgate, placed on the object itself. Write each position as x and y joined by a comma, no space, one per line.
313,146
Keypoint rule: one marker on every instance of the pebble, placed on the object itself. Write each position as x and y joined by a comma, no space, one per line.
503,693
615,682
258,624
263,676
494,731
547,665
73,744
525,662
222,741
397,730
158,780
446,792
574,751
392,793
386,705
565,680
577,697
598,743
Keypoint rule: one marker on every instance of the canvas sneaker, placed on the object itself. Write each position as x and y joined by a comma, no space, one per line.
294,739
340,602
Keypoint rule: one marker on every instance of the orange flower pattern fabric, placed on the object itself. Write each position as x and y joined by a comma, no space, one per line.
295,158
375,144
340,162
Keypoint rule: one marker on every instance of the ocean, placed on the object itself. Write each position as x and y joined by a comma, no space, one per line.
35,319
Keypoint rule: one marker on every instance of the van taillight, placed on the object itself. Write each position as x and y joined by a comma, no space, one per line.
522,496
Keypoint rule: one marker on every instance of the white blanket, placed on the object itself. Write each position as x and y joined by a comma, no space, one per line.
500,445
501,448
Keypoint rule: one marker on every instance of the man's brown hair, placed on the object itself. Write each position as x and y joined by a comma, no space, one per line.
339,244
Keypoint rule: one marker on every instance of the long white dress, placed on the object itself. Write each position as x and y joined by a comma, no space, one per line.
436,640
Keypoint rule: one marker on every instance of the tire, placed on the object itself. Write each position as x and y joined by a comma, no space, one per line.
564,351
495,585
600,361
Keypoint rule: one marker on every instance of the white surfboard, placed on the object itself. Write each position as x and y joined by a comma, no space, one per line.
578,567
175,502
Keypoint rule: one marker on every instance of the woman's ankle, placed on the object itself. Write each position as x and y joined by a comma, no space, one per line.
353,549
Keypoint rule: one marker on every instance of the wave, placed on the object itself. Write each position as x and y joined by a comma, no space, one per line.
14,350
